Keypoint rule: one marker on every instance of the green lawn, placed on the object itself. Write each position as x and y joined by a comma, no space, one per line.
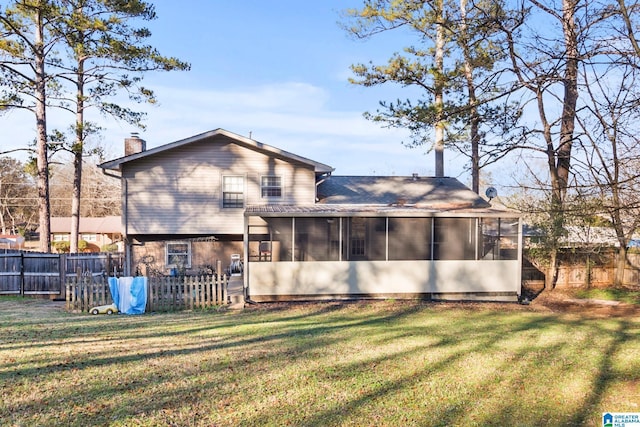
369,363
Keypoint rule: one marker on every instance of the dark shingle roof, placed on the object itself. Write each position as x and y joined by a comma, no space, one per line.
387,196
421,192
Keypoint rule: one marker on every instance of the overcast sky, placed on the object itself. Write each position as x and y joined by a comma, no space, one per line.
277,70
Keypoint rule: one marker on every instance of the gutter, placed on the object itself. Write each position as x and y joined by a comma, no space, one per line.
104,172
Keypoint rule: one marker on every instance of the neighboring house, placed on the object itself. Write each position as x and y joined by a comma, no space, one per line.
305,233
97,232
11,241
576,237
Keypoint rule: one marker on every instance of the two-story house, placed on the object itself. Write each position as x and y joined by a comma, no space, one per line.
306,233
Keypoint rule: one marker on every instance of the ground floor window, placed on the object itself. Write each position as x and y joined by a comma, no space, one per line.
178,255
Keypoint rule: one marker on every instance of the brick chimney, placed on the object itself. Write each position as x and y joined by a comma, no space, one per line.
134,144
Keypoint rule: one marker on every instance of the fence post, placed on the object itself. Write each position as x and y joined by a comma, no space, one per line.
22,274
74,294
149,307
84,302
210,288
67,295
62,267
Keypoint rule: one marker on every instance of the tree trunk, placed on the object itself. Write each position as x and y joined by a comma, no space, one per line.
75,202
44,209
472,101
551,278
439,89
78,150
621,265
570,100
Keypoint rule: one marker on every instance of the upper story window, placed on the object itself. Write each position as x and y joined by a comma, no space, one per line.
232,192
90,237
271,186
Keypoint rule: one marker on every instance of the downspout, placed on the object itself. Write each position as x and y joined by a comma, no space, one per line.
128,245
320,181
245,256
125,236
520,248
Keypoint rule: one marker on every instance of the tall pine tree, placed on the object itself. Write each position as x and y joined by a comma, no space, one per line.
27,47
107,55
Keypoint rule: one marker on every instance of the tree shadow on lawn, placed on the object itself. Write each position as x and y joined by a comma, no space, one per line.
91,331
503,390
60,364
260,339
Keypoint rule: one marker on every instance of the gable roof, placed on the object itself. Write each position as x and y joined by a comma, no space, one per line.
420,192
107,224
238,139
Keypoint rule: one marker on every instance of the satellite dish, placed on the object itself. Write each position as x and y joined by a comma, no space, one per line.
491,192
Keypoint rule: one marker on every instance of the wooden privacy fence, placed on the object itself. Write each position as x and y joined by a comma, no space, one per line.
163,293
597,272
35,273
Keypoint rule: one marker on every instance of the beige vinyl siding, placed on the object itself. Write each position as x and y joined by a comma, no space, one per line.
180,191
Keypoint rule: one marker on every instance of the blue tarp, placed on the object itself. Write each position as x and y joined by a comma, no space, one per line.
129,294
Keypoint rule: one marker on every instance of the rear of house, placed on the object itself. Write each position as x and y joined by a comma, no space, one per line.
305,233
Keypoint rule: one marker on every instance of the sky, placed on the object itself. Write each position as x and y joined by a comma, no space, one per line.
274,70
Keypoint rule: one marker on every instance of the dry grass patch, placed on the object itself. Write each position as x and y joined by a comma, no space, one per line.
367,363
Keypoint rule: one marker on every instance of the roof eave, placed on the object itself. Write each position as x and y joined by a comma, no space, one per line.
116,164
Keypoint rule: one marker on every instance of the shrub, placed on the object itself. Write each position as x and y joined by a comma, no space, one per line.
112,247
62,247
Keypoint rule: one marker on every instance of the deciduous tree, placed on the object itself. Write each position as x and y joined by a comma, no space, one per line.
579,74
18,206
609,168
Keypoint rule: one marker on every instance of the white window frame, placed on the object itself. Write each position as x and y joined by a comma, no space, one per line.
168,254
233,191
264,187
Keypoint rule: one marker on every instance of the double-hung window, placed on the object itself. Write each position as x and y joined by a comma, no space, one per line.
90,237
178,254
232,192
271,186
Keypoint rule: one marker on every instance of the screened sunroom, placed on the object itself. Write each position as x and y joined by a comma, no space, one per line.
329,251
